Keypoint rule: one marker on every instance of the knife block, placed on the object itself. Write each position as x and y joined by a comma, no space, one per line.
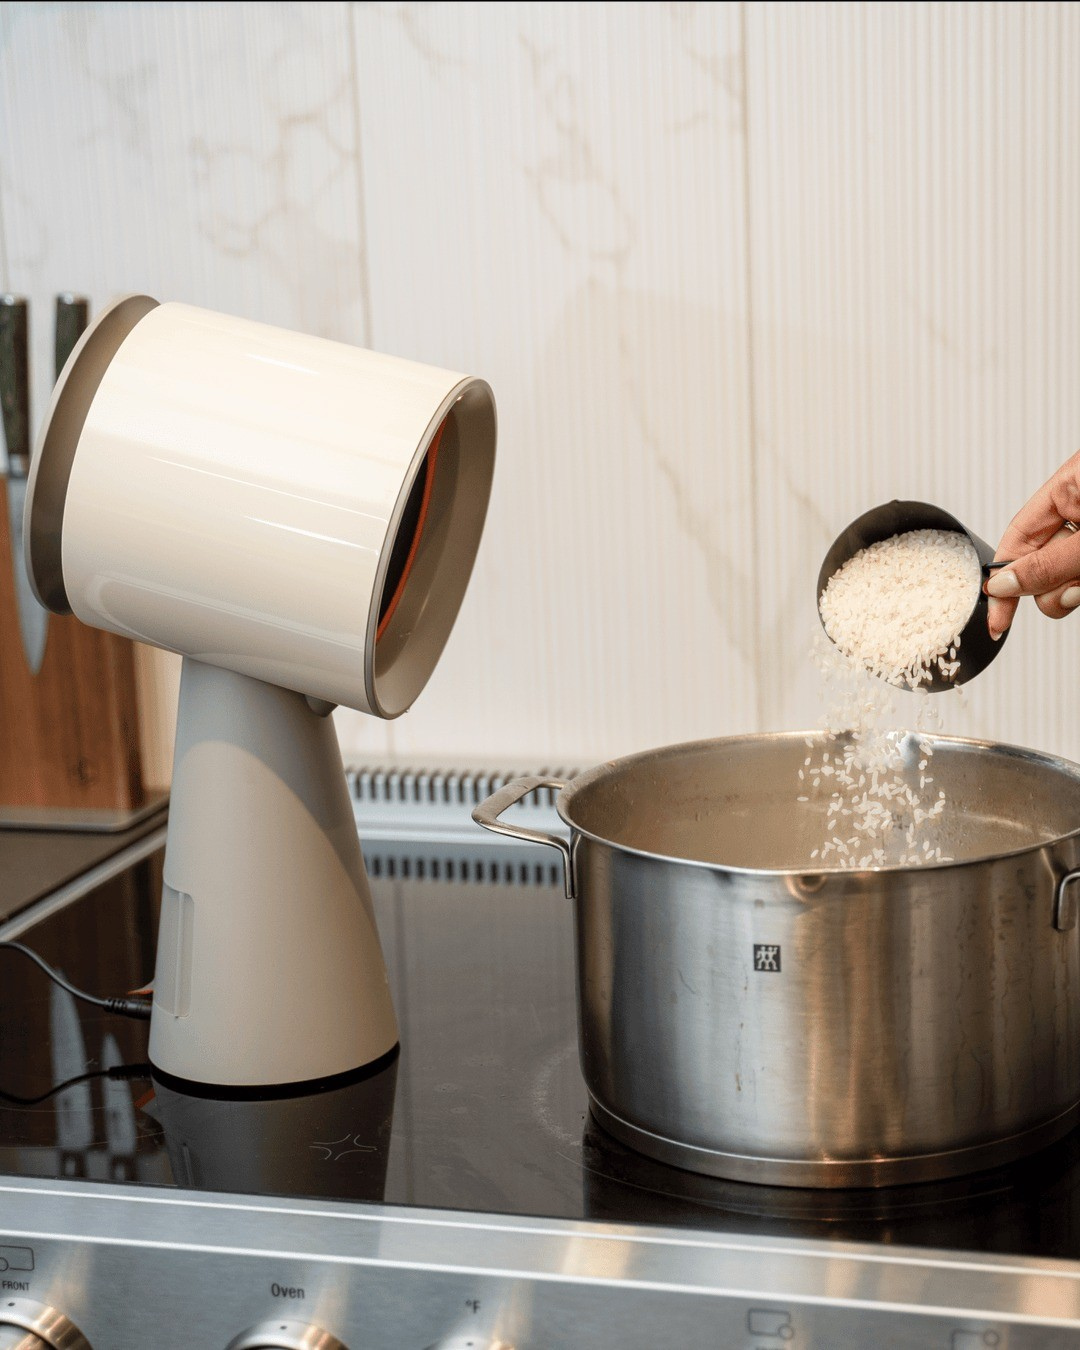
69,739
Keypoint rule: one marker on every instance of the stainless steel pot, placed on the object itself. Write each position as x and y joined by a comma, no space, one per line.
747,1014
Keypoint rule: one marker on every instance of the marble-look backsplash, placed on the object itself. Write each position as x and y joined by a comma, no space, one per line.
736,272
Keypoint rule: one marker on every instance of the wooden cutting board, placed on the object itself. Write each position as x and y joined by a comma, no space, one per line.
69,735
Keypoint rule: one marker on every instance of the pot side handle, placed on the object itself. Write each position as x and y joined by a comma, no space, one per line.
1066,901
488,812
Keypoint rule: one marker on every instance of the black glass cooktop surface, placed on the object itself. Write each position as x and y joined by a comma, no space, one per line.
484,1109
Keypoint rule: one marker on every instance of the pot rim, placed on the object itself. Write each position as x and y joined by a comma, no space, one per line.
565,800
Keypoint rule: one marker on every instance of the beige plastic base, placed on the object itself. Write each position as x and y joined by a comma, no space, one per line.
269,966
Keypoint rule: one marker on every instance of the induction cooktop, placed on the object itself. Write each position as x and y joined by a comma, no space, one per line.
476,1128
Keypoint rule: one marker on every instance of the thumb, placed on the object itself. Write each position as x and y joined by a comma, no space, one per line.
1042,570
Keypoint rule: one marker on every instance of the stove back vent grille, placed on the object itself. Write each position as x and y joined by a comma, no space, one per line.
415,824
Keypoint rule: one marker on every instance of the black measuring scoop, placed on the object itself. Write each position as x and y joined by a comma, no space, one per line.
977,648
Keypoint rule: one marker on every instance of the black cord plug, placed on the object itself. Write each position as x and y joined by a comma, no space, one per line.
130,1007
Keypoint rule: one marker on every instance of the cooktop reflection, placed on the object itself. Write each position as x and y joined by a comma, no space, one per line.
483,1109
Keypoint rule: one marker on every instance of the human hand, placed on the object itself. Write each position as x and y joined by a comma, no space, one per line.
1046,550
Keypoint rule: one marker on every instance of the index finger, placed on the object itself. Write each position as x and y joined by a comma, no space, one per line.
1036,523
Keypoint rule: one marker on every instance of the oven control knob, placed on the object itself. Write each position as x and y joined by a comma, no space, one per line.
278,1333
26,1325
15,1338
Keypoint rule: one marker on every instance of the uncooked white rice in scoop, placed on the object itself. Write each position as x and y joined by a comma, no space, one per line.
897,608
894,613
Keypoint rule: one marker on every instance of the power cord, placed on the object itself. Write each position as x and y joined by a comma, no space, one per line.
124,1006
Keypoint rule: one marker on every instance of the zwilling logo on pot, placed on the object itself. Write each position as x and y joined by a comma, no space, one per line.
767,957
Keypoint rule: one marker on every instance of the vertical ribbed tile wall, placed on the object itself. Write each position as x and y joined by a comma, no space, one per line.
736,272
915,209
554,199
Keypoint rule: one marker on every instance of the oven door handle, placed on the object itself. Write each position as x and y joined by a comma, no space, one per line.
488,812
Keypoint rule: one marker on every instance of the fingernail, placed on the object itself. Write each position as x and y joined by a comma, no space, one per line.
997,636
1003,583
1070,598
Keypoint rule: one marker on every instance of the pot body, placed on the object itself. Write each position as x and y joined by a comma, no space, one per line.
834,1028
849,1033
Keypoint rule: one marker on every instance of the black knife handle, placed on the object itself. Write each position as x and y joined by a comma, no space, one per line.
15,382
72,316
